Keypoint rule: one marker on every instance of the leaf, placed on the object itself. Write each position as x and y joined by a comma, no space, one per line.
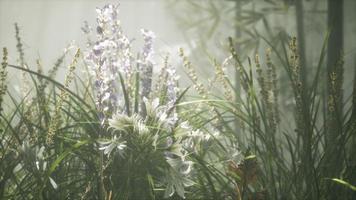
137,96
344,183
250,157
55,164
169,191
126,95
59,85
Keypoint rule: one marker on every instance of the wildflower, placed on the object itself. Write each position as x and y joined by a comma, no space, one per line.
176,183
193,75
152,124
160,113
155,129
109,146
106,58
172,89
146,63
184,167
55,122
128,124
147,51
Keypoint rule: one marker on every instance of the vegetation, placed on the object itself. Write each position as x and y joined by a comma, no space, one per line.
124,132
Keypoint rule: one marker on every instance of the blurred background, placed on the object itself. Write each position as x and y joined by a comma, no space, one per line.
201,27
48,26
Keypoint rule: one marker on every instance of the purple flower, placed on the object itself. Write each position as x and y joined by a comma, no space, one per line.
146,62
109,55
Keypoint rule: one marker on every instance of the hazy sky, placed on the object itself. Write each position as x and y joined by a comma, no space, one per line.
47,26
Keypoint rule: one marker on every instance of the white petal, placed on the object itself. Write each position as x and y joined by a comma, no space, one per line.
54,184
155,103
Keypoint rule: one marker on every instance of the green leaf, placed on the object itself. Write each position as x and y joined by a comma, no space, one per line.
344,183
55,164
137,96
250,157
126,95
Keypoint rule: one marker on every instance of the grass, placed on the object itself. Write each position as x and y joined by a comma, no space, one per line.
296,159
230,143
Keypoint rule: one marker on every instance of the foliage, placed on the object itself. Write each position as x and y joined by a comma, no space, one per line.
124,132
294,155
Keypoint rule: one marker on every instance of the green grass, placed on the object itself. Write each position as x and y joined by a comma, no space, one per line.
302,149
251,145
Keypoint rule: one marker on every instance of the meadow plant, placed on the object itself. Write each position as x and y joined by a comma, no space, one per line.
142,130
128,133
286,157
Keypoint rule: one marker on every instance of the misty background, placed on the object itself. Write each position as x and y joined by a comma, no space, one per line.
201,27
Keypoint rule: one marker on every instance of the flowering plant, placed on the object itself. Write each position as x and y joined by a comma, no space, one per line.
146,141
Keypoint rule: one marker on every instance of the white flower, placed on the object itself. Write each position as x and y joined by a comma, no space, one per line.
125,123
185,125
161,113
109,146
184,167
175,183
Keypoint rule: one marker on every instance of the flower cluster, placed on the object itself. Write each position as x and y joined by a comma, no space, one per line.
141,118
161,138
108,56
146,63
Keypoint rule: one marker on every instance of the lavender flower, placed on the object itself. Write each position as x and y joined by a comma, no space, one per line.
146,62
111,54
147,51
172,86
106,58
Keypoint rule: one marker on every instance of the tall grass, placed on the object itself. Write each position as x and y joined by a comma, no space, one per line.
302,150
144,138
69,141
